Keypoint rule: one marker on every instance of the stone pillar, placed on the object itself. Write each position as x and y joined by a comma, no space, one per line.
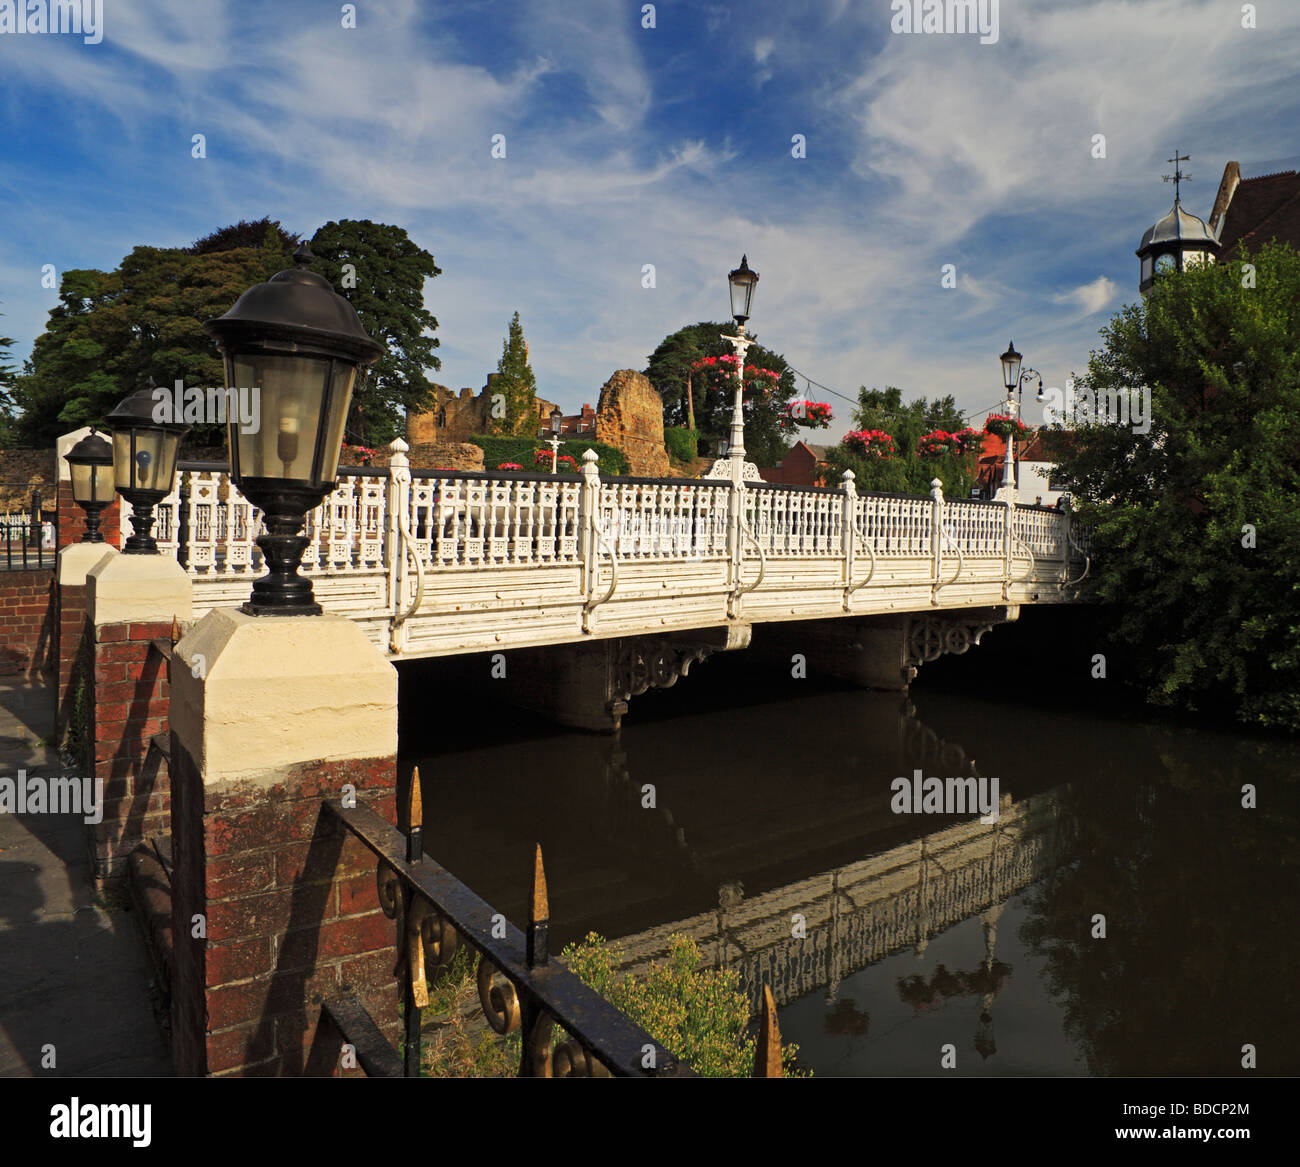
870,653
274,905
132,601
588,685
73,645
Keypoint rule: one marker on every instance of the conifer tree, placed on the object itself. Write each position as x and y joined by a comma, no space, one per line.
516,415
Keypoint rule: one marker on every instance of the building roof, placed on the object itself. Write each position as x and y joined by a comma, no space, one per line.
1254,210
1179,226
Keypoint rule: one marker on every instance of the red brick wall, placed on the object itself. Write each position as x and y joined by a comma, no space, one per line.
69,643
129,697
292,918
27,614
72,519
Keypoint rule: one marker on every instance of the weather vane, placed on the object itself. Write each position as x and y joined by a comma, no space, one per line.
1178,176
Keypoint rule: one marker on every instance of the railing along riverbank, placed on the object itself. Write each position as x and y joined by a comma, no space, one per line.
520,987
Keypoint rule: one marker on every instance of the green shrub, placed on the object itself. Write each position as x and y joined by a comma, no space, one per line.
496,450
698,1014
682,444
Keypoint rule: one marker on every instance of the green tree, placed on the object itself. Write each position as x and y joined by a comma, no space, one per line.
670,369
385,284
112,330
264,232
516,382
906,422
1195,525
6,388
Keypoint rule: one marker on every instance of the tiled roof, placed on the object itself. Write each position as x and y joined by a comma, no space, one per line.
1261,209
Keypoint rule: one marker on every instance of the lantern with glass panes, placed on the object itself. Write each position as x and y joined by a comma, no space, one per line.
144,462
90,462
302,348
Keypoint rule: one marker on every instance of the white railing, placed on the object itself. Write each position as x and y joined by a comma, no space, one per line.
978,528
414,544
788,521
894,525
659,519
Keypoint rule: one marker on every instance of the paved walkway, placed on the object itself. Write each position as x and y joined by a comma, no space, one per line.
74,974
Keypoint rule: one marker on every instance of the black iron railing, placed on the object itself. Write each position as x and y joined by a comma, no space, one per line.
26,539
521,988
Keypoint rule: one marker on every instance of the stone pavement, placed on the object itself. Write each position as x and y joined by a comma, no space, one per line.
73,970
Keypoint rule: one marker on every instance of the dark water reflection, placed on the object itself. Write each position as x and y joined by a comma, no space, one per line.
918,931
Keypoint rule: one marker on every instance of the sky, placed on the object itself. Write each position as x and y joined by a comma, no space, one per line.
660,135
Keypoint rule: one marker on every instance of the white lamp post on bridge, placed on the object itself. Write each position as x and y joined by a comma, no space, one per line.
743,281
1013,379
557,424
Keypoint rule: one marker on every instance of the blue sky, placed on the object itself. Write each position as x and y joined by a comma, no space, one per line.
669,146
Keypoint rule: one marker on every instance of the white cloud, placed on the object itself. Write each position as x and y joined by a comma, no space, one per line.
1091,297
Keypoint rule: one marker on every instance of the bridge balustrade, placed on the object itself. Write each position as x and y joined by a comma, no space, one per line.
432,561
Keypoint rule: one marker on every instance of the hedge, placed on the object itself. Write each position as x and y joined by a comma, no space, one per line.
682,444
520,450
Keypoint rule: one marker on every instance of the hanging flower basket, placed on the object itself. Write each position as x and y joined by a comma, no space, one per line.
870,443
937,443
1002,426
812,414
722,374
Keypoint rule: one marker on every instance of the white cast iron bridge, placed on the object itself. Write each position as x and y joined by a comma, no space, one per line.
442,562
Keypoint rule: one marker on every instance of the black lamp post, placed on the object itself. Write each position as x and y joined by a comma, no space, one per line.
1011,368
91,464
743,282
302,346
144,463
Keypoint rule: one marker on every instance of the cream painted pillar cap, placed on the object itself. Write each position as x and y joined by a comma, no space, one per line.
144,588
253,697
76,560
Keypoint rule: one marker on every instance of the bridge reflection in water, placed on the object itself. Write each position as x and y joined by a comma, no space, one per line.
781,806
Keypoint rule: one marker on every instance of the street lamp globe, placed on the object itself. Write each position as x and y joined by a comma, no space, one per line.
90,462
557,421
144,462
1011,368
743,282
301,346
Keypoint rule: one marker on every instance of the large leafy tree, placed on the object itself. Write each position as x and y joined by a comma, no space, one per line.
909,470
515,381
382,273
1195,526
671,368
263,232
112,330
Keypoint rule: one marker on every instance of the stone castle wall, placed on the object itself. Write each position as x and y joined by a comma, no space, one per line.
456,417
631,416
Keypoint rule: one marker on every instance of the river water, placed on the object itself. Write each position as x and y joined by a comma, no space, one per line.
1125,914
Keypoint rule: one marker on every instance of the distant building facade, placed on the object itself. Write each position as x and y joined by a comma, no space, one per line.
803,465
